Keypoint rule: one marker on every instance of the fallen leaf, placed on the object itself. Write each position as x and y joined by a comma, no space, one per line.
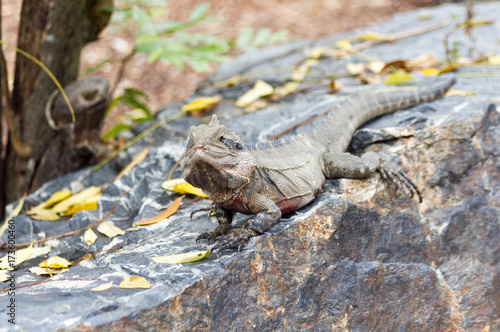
422,62
453,92
376,66
15,212
430,72
4,276
355,69
136,160
344,44
393,65
109,229
76,208
285,89
22,255
44,271
169,184
86,257
180,186
102,287
372,36
448,68
301,71
46,215
199,104
397,77
89,236
87,195
187,257
260,89
162,216
135,282
494,60
255,106
317,52
55,262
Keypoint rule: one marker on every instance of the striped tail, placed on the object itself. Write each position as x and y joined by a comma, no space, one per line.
352,112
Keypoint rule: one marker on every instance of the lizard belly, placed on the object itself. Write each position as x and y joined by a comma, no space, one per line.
240,204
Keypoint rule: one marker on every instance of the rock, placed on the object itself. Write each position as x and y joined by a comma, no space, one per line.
363,256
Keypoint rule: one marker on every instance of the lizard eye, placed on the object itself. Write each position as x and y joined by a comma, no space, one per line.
221,138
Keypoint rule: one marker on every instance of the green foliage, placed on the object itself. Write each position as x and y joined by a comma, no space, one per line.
167,40
135,99
248,41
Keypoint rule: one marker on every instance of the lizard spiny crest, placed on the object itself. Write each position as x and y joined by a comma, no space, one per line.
216,161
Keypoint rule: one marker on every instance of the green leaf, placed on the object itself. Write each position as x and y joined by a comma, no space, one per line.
198,12
200,65
140,15
262,37
115,130
155,55
244,38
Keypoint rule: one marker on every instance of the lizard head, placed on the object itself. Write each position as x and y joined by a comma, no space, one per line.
216,161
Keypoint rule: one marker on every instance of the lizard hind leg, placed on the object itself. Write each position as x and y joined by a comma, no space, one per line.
346,165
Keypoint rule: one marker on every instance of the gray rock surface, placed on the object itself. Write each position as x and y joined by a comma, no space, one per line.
361,257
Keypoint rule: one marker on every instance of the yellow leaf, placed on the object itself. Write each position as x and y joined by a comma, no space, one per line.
494,60
57,197
4,276
182,258
109,229
165,214
285,89
372,36
422,62
201,103
22,255
301,71
448,68
260,89
76,208
376,66
102,287
397,77
453,92
344,44
44,271
89,236
135,282
317,52
169,184
355,69
87,195
186,188
15,212
45,215
430,72
55,262
136,160
256,105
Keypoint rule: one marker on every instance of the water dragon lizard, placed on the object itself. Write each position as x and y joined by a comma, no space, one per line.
269,179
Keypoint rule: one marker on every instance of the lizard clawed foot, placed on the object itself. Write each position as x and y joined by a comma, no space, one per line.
234,238
389,170
217,232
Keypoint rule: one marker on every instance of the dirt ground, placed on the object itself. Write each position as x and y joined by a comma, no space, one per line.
165,83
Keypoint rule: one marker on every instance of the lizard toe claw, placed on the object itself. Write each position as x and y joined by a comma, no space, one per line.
235,238
398,176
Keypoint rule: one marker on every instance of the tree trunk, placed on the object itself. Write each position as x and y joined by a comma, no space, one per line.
2,161
54,31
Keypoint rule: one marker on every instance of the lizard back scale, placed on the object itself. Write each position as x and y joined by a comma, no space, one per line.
268,179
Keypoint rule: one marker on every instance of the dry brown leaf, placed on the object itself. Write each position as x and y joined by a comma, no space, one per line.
422,62
102,287
109,229
135,282
162,216
86,257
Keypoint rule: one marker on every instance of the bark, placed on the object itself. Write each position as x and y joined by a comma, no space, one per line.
54,31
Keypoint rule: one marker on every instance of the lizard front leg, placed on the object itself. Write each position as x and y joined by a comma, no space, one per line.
267,215
224,217
346,165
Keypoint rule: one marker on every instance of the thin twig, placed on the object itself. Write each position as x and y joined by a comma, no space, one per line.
121,70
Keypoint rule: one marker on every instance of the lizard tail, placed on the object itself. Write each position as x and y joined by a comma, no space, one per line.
337,129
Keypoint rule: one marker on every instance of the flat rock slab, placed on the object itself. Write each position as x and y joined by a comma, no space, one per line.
363,256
